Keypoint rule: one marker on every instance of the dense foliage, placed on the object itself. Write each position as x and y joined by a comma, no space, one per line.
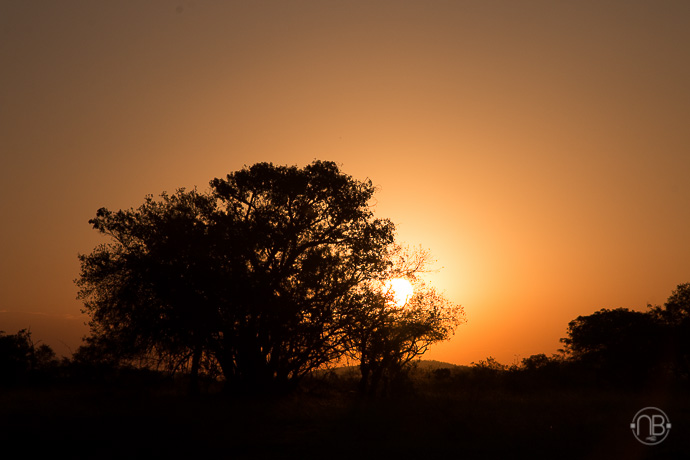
260,278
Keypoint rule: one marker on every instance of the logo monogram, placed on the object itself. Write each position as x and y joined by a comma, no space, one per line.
650,426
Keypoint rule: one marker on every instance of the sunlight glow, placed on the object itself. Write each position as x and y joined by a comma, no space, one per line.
401,289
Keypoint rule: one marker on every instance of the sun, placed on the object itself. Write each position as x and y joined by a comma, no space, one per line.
401,289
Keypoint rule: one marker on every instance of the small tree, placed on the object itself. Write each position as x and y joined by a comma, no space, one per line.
535,362
490,364
386,336
21,359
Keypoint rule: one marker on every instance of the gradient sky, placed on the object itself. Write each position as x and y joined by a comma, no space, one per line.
539,149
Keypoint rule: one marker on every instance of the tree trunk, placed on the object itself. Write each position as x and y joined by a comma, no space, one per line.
194,374
365,370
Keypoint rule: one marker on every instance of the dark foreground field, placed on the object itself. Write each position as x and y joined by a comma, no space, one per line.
438,419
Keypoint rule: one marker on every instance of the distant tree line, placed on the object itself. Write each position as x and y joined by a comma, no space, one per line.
617,347
612,347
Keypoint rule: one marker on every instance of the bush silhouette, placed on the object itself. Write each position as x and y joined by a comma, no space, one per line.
21,361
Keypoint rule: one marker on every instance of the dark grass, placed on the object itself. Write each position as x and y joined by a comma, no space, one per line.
326,419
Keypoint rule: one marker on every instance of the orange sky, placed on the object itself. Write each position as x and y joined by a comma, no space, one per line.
540,150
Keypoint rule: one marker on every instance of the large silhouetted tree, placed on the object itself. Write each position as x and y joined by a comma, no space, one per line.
300,241
257,275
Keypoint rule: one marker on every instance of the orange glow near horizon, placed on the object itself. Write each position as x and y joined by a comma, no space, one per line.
539,151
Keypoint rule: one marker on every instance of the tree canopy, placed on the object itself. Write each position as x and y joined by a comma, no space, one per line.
259,276
619,343
627,345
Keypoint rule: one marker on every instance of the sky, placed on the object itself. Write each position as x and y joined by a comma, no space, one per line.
539,149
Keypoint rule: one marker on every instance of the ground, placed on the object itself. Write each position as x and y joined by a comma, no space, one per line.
435,417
